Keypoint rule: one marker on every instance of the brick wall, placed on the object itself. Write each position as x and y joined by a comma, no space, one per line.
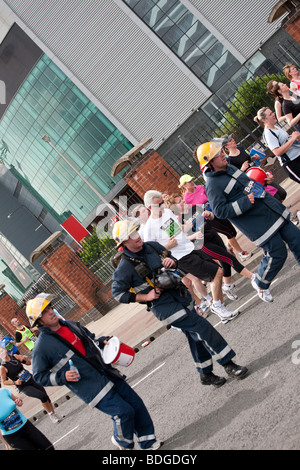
292,24
65,267
294,30
152,173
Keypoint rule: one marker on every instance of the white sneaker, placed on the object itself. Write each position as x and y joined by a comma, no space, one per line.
224,314
155,446
115,443
200,311
55,418
229,292
263,294
205,304
244,255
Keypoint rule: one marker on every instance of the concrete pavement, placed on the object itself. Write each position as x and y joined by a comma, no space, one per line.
133,324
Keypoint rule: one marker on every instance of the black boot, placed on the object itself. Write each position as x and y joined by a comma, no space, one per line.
212,379
235,371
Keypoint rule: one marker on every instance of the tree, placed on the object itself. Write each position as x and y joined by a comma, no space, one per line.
250,96
95,248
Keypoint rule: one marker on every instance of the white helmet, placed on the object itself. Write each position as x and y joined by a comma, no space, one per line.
123,229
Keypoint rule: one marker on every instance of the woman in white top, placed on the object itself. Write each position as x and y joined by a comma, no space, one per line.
286,147
292,73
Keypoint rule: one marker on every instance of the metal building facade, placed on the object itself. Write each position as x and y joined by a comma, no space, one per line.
242,22
124,68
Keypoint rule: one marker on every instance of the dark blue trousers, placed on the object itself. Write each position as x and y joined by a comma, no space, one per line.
205,342
276,253
129,415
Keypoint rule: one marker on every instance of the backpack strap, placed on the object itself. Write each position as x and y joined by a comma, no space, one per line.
284,157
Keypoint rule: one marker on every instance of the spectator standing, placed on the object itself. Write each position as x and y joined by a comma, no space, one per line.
285,147
24,334
238,157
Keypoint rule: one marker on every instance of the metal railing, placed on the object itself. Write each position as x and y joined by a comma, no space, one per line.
102,268
62,302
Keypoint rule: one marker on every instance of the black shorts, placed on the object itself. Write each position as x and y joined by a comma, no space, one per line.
222,226
34,390
199,264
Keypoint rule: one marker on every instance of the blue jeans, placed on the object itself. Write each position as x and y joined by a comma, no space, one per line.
205,342
276,253
129,415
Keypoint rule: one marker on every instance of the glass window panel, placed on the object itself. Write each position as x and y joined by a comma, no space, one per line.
102,125
182,46
80,95
49,103
176,12
206,41
211,75
186,22
196,31
172,35
92,143
201,65
167,5
163,26
97,135
88,151
226,61
59,74
216,51
142,7
153,16
132,3
192,55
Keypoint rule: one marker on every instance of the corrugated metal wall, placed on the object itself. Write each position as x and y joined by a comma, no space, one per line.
117,61
137,79
242,22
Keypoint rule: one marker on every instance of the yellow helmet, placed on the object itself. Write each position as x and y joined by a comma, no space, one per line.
36,306
206,152
123,229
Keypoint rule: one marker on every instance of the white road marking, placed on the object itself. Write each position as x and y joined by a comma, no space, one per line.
146,376
72,430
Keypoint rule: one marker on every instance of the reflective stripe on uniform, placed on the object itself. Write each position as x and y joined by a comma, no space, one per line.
59,366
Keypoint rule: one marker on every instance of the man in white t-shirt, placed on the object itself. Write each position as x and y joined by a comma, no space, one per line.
163,227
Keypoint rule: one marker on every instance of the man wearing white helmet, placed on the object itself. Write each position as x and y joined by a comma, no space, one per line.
137,279
99,385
